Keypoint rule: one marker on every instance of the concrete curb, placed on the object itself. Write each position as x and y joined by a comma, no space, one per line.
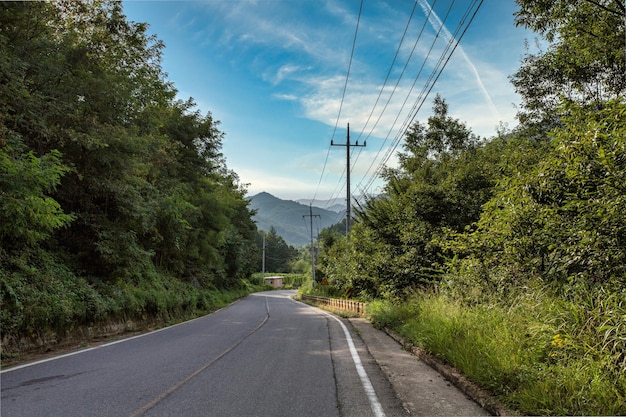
480,396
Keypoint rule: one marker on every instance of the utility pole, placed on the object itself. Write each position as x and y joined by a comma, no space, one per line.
311,215
263,268
348,199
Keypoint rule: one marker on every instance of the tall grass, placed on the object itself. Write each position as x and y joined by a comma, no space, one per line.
539,354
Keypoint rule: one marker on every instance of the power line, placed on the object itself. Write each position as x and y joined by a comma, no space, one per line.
410,115
419,36
393,61
453,40
428,86
385,83
345,86
321,176
390,150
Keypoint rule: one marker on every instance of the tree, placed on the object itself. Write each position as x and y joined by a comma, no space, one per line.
329,235
547,218
562,219
83,77
278,255
144,179
26,182
443,179
111,190
584,63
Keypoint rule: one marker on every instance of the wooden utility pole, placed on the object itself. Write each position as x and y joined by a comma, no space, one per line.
348,197
263,268
311,215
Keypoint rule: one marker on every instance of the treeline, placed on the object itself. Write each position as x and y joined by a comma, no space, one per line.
519,241
115,201
279,256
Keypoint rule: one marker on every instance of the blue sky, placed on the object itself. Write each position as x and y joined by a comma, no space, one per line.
273,72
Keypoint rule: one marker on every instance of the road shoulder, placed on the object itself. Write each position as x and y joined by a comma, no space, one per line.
422,389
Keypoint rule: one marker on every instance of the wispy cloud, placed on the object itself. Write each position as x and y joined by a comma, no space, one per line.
464,82
437,24
286,97
298,52
313,58
279,27
286,71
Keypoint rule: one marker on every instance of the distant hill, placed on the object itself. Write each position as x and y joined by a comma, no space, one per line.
286,218
338,205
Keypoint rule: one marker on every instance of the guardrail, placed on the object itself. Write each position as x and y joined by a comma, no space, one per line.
356,306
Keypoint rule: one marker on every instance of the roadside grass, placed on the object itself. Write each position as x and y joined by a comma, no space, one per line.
538,354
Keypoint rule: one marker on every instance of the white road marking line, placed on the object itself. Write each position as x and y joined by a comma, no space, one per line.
375,405
78,352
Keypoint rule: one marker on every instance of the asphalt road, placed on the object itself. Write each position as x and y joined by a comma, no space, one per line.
265,355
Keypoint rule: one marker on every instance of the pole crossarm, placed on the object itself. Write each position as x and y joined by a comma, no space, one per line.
348,199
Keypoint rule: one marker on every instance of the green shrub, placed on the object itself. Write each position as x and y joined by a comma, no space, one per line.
39,296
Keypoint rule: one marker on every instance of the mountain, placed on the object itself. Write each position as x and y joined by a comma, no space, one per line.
286,216
338,205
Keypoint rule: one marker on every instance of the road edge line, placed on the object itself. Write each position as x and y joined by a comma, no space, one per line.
375,405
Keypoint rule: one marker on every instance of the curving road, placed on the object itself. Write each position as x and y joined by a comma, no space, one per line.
265,355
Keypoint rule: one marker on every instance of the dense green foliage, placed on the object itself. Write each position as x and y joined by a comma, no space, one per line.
506,256
279,256
445,176
584,62
115,200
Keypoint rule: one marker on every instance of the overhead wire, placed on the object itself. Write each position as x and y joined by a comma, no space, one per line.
345,86
453,43
419,36
384,85
395,86
429,85
393,62
406,28
442,62
390,150
343,95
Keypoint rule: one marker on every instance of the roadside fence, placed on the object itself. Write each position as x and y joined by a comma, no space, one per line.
355,306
